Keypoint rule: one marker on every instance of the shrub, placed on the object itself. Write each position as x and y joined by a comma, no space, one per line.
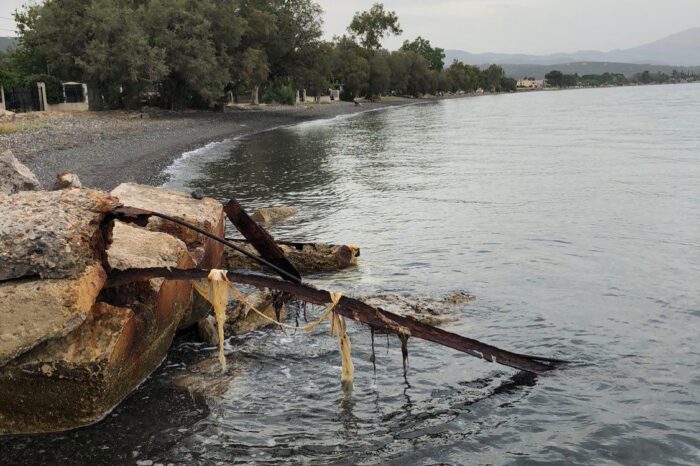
281,94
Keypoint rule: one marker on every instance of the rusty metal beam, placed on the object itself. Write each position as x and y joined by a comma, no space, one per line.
358,311
261,240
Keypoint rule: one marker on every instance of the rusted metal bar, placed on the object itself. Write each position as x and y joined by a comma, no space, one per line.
261,240
358,311
141,216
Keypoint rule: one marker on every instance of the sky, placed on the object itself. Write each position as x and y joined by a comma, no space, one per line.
508,26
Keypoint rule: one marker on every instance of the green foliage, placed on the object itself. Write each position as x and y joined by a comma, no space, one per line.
434,55
371,26
11,80
554,78
54,87
280,94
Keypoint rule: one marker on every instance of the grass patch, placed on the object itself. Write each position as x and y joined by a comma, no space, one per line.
9,128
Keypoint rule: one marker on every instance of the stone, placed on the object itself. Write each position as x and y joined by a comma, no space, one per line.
66,180
53,234
134,247
14,176
7,116
307,258
207,331
32,311
83,374
76,380
240,321
428,310
206,213
273,214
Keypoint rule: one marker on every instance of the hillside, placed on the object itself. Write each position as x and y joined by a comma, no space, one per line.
681,49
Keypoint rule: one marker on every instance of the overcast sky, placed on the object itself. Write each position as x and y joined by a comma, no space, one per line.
510,26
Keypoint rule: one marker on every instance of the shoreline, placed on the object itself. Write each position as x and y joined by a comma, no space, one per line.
108,148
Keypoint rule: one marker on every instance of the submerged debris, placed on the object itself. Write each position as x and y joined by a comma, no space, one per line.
271,215
425,309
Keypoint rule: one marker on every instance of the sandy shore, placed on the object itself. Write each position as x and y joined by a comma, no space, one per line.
108,148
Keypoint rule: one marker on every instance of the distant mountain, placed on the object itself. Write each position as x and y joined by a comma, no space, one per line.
6,42
681,49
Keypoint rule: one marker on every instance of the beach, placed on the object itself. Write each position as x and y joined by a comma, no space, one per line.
107,148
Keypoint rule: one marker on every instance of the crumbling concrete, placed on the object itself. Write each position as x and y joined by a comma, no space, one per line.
54,234
134,247
427,310
307,258
33,311
271,215
76,380
92,368
206,213
14,176
65,180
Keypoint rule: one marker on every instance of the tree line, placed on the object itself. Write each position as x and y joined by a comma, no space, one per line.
556,78
192,53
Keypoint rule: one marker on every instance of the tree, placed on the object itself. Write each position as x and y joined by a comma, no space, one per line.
379,75
371,26
493,78
434,55
350,68
554,78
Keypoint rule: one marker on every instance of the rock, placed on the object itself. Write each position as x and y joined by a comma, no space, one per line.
207,331
204,378
32,311
7,116
76,380
206,213
133,247
53,234
273,214
14,176
80,376
307,258
425,309
66,180
240,321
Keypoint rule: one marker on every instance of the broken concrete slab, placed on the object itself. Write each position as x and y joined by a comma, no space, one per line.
134,247
77,379
15,176
53,234
206,214
32,311
271,215
307,258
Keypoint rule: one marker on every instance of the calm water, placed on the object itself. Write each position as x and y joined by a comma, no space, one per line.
574,217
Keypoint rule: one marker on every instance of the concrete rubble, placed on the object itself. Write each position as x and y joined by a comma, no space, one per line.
307,258
71,348
14,176
271,215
